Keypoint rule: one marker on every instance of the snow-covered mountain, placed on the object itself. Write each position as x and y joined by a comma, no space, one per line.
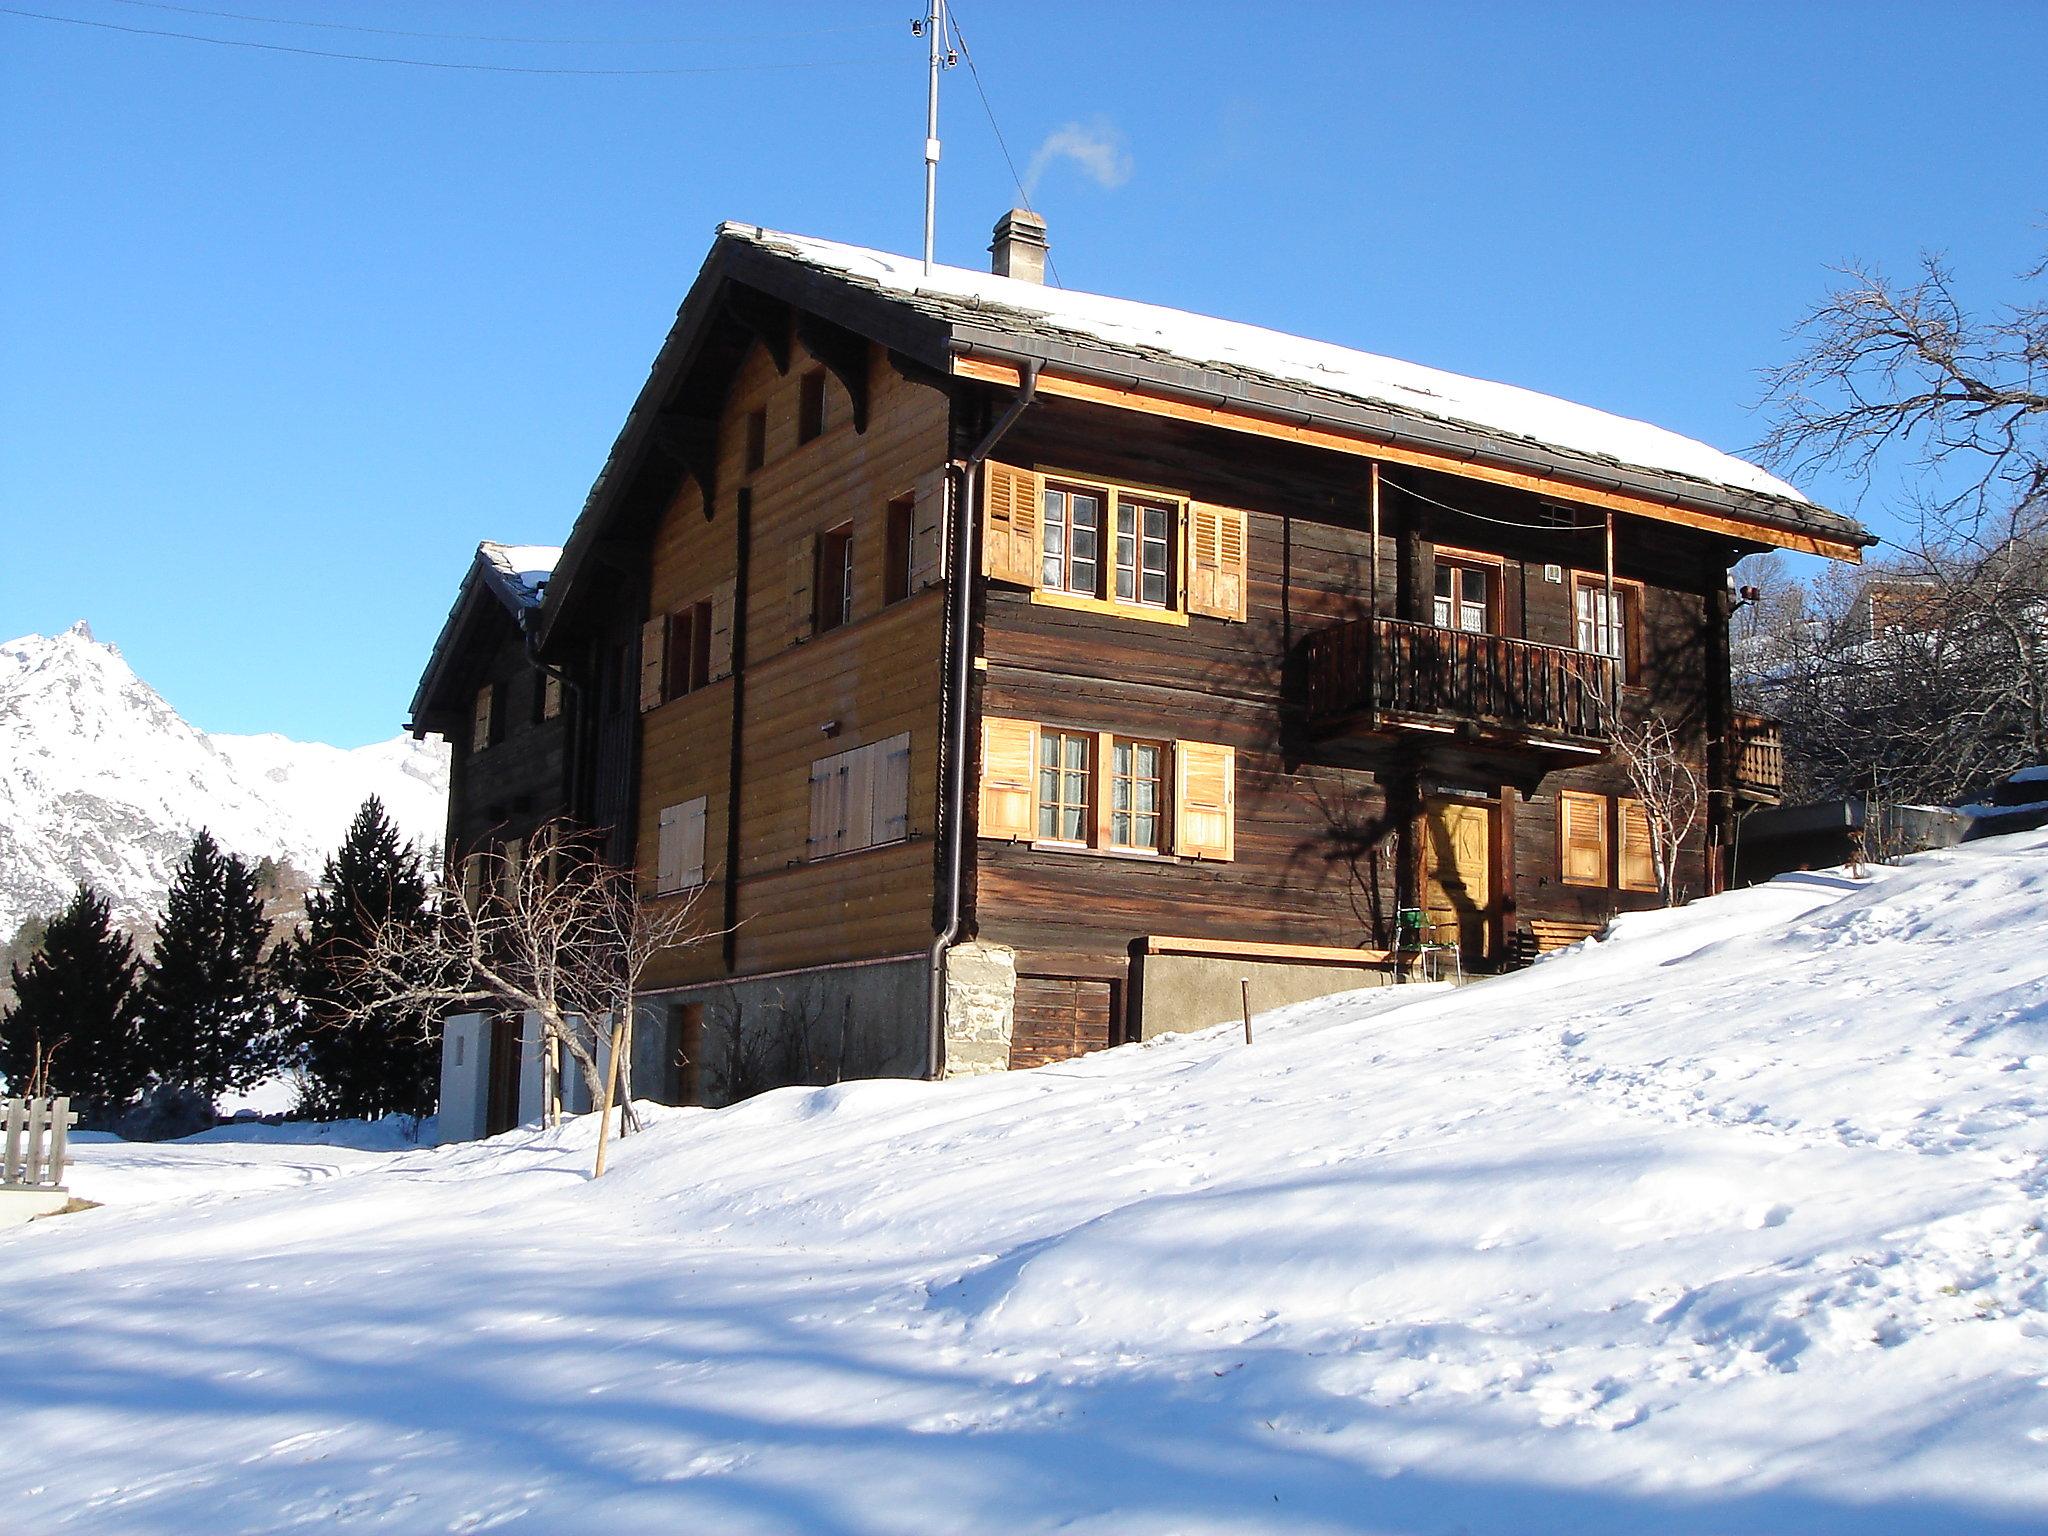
102,781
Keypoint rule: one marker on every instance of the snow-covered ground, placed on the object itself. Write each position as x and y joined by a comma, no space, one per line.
1735,1222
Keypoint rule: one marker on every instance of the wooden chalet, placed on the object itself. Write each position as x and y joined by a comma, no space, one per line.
1007,672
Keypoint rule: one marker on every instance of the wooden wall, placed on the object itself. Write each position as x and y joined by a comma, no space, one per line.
1314,859
805,697
518,782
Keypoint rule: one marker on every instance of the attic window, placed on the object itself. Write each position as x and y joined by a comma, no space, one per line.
810,405
757,439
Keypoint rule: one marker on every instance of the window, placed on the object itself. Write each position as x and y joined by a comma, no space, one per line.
1073,534
1581,838
1638,851
810,405
1462,598
860,798
899,553
1603,630
680,858
1143,550
689,650
1082,789
1135,776
757,439
1064,806
834,584
483,720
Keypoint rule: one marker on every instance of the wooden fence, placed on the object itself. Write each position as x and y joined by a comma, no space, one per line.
35,1154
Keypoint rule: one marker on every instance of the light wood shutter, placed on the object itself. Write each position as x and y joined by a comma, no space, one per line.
803,571
1205,800
480,720
890,818
515,861
1581,838
721,628
550,697
668,862
1009,778
1216,560
1638,853
690,853
828,807
1009,524
472,881
653,661
928,523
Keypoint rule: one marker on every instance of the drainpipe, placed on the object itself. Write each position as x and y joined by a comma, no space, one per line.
959,615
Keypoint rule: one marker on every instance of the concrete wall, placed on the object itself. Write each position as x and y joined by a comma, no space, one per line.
809,1027
1176,993
465,1076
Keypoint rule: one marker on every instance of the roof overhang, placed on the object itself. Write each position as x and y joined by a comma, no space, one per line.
1232,403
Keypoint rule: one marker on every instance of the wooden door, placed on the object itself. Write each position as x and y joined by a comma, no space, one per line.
501,1105
1457,891
1058,1017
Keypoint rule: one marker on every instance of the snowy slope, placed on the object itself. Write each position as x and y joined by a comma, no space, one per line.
101,780
1737,1222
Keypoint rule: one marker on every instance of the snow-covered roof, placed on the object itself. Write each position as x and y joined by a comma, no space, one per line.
1501,411
522,570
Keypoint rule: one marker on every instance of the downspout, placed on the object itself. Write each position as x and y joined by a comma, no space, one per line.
959,616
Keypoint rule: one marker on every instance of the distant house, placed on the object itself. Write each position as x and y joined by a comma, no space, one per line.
1009,672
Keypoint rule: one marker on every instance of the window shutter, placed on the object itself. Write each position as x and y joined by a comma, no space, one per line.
928,531
1582,838
1009,778
891,809
668,869
1009,524
515,858
1216,560
857,813
1205,797
480,722
653,660
472,881
828,806
803,571
1638,853
721,628
550,697
690,853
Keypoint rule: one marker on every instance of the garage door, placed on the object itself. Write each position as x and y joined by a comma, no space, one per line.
1060,1016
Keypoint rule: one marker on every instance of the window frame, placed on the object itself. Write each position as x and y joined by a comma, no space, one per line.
1161,780
1086,807
899,547
813,415
1629,600
1491,569
1113,498
832,601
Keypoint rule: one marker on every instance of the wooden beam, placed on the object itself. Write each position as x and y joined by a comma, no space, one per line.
767,318
1245,949
691,444
1363,444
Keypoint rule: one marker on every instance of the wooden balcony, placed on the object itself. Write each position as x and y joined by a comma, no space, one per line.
1758,755
1479,707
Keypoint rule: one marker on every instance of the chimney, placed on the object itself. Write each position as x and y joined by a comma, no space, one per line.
1019,247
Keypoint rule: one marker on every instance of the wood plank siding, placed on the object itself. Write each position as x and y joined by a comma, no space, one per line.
806,694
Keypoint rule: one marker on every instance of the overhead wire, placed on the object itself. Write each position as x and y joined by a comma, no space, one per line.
967,53
1502,522
484,37
443,64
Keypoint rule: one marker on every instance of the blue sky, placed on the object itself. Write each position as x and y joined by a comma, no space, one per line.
281,337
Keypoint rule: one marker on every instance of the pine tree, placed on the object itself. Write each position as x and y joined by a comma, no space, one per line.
383,1061
74,1016
210,1015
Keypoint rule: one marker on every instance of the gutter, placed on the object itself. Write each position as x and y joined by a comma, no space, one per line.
959,615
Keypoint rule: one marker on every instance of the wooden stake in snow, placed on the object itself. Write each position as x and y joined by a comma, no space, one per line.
611,1077
1245,982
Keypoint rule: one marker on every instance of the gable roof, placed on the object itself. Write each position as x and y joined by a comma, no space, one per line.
952,314
508,577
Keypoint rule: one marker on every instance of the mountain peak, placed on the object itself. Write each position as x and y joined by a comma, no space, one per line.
79,630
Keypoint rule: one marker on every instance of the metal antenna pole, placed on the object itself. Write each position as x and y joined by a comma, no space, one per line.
935,24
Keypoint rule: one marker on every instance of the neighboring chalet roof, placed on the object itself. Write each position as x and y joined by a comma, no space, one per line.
516,576
954,315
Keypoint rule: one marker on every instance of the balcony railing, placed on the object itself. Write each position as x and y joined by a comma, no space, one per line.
1759,756
1383,673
